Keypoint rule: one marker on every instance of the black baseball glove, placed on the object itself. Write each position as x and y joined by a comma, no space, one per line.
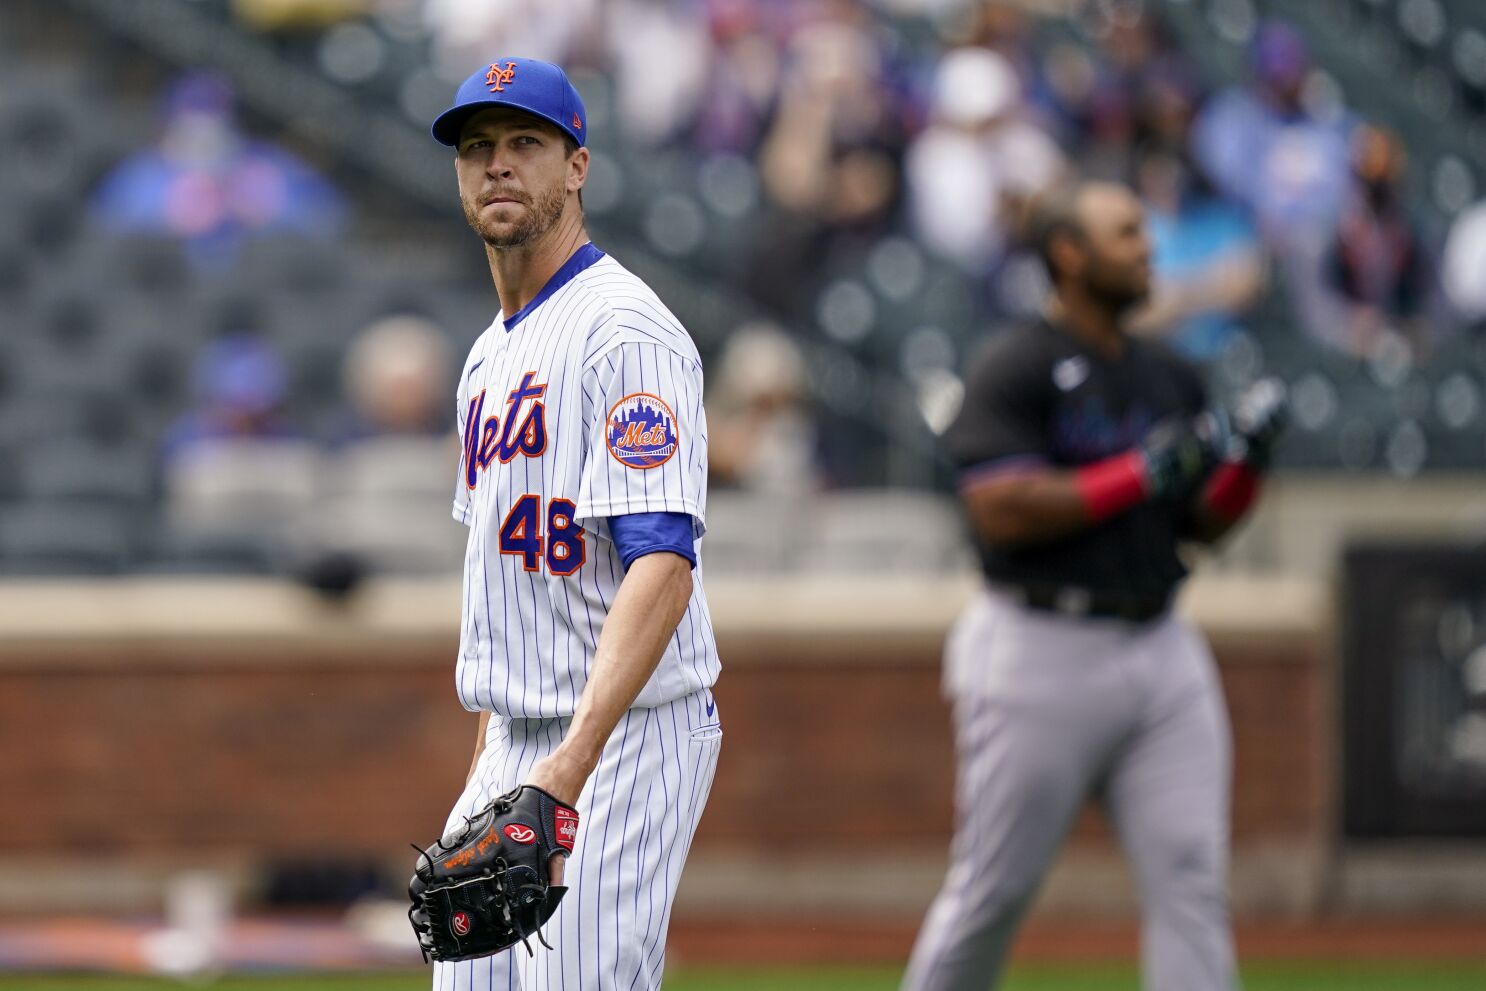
488,887
1259,416
1179,452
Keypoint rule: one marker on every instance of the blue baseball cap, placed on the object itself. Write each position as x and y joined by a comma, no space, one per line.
538,88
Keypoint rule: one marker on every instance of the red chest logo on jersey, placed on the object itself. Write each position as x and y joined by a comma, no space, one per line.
642,431
525,429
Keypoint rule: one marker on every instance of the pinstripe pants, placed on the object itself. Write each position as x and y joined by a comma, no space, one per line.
639,811
1048,711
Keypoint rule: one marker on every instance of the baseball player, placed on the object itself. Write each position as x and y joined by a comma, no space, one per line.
1087,457
585,641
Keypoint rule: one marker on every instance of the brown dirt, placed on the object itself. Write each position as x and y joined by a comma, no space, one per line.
728,942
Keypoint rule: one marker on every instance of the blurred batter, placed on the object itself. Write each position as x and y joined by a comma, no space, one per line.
1087,457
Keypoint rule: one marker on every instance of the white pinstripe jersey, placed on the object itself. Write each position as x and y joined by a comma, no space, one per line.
586,405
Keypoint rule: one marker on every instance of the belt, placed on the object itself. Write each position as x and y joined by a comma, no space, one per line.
1077,601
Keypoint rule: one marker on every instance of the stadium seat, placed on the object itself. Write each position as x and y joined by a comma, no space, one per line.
174,553
293,263
10,478
386,501
76,537
149,263
261,489
884,531
10,371
44,141
396,467
71,322
15,271
749,533
77,469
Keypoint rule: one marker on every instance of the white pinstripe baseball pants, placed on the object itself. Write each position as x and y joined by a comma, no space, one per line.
638,812
1049,710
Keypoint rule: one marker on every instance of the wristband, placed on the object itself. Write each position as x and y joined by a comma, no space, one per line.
1232,490
1111,486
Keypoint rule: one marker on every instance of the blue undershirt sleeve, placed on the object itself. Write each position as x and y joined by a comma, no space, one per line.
638,534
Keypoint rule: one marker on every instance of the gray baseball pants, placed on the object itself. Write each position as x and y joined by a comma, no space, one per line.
1049,710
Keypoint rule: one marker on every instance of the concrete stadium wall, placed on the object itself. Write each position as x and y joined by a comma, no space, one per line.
147,727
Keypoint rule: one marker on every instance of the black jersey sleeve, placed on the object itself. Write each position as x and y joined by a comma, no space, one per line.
1004,414
1189,381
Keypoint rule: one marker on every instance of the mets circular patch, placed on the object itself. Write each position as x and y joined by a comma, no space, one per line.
642,431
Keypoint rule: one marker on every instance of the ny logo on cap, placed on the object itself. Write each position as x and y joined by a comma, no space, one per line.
497,77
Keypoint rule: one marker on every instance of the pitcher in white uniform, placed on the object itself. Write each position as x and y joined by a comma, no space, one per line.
585,642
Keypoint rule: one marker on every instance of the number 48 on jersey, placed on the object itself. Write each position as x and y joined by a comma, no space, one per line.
522,534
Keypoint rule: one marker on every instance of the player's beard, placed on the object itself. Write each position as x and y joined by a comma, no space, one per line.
1117,288
542,213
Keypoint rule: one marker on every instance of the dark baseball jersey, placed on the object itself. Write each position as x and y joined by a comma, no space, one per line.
1038,396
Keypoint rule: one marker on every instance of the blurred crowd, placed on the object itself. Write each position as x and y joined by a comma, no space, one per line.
859,121
858,125
207,183
903,139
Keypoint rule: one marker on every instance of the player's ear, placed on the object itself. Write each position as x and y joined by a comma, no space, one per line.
577,169
1066,253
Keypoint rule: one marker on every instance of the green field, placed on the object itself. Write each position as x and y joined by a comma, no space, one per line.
1090,977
